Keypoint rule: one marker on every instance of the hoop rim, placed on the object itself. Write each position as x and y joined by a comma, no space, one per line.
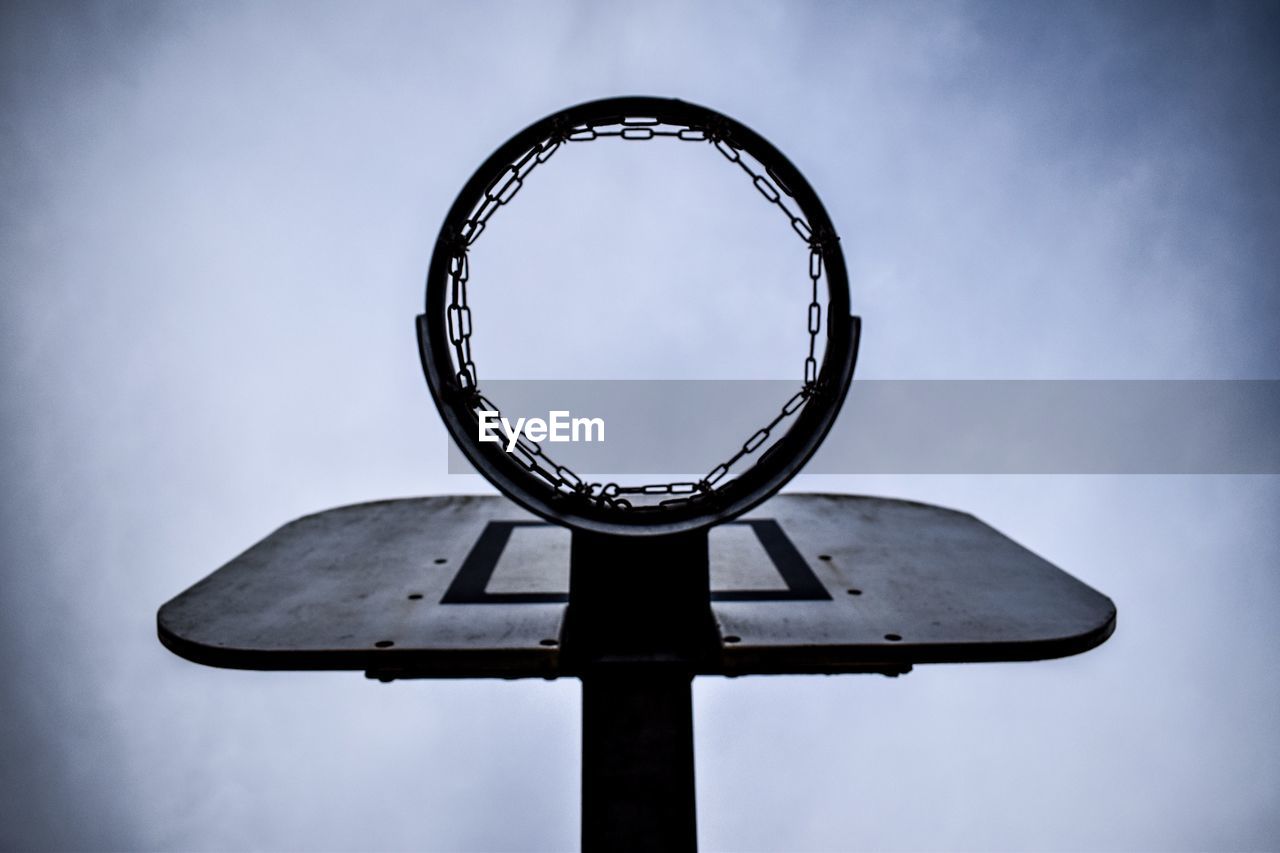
779,463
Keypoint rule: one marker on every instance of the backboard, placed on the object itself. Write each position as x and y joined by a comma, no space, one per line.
457,587
635,588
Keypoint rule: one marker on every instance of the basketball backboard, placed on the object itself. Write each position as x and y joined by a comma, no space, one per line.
635,588
457,587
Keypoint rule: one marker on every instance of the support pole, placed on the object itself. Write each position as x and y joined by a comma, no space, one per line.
638,627
637,762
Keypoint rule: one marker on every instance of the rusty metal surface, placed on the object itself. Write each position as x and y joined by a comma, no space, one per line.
363,588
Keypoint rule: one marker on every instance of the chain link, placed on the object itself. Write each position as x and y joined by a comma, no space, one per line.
500,193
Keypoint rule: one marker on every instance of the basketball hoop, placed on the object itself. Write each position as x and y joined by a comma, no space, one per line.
753,471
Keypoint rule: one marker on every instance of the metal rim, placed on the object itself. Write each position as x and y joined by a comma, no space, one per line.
779,463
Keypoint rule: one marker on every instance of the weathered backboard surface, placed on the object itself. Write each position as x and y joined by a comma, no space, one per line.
461,587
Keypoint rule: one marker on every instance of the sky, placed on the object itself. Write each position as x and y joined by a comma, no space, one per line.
215,222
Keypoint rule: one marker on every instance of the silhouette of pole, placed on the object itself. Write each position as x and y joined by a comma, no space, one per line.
638,627
637,762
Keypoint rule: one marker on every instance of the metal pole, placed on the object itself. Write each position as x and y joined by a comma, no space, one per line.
637,762
639,625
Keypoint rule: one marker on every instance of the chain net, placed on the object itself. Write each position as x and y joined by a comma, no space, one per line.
500,193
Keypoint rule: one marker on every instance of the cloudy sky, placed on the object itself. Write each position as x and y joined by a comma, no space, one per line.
216,220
